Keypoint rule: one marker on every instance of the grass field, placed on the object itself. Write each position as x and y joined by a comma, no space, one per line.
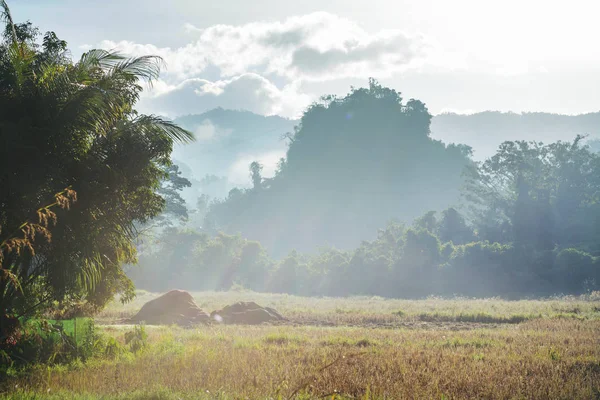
355,348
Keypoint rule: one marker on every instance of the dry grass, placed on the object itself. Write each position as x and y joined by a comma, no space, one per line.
377,310
540,358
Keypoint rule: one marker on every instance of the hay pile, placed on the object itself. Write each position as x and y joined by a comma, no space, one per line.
178,307
174,307
247,313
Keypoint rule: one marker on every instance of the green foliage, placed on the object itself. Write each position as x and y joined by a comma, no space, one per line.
175,207
137,339
532,224
191,260
573,268
401,262
538,196
113,348
72,125
47,341
482,318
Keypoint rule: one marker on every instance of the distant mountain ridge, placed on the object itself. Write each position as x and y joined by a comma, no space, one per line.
484,131
229,140
245,126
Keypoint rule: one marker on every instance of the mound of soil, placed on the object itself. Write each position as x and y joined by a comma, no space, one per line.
247,313
174,307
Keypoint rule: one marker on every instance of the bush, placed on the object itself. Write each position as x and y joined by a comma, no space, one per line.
137,339
49,342
479,269
575,271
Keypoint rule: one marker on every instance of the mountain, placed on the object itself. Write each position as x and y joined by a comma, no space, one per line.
485,131
227,142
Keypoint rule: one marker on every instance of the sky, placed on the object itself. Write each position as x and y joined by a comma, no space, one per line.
276,57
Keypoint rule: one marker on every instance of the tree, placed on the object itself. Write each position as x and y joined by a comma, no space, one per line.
73,125
427,222
256,174
547,194
453,228
170,191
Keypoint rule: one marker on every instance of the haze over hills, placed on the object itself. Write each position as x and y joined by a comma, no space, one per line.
485,131
229,140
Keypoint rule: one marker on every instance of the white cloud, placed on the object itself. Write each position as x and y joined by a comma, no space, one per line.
313,47
181,63
248,91
236,66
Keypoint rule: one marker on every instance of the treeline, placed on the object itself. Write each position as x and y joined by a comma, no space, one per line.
531,227
403,262
528,221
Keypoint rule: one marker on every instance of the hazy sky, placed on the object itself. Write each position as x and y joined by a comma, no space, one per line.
276,56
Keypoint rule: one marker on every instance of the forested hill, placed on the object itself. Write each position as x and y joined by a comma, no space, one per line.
485,131
525,221
229,140
333,187
353,164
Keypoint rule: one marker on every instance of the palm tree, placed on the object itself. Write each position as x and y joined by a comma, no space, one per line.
73,125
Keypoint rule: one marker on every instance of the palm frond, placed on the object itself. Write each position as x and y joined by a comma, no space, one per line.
54,77
169,128
6,16
91,272
144,67
99,58
21,57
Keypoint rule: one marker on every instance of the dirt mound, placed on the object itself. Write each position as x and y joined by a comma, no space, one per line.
174,307
248,313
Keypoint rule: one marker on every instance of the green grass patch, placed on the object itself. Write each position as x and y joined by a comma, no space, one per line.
348,342
476,343
482,318
282,339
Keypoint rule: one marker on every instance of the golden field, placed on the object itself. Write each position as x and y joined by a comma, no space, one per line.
353,348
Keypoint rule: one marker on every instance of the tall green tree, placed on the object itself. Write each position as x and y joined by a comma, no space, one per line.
66,124
170,190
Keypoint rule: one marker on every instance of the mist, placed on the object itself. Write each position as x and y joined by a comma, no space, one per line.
372,182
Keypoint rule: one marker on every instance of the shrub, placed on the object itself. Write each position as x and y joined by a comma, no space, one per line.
574,270
44,341
137,339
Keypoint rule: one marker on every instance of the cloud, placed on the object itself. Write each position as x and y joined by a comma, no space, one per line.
248,91
381,55
262,66
182,63
308,47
